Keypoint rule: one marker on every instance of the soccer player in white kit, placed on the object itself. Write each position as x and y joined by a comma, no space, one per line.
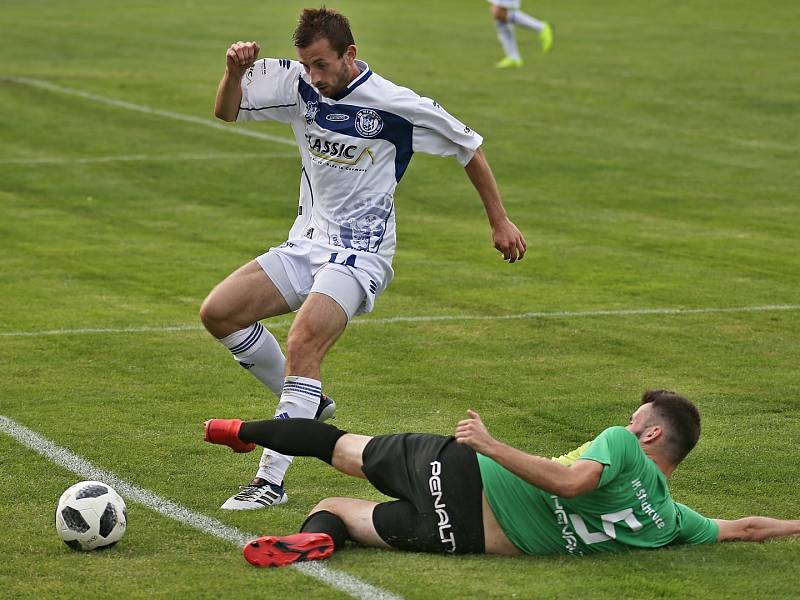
356,133
507,14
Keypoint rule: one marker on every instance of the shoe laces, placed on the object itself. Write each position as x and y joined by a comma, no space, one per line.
248,491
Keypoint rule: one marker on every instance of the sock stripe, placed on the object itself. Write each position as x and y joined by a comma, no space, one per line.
250,340
303,386
303,389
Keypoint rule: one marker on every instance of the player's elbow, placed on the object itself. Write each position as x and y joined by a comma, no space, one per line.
571,488
223,115
576,484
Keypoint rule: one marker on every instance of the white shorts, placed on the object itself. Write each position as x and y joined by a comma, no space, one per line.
353,279
513,4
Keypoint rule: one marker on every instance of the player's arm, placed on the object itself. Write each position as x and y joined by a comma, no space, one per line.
548,475
505,235
756,529
239,57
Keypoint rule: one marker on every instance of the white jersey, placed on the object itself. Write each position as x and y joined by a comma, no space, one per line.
354,149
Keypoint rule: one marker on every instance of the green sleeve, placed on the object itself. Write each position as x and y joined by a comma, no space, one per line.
610,449
694,528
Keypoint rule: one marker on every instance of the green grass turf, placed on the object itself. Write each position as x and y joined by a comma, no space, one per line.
651,161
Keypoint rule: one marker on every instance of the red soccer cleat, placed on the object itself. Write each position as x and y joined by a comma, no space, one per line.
226,432
274,551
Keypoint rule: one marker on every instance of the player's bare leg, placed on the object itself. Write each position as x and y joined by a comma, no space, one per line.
231,312
245,296
318,324
356,514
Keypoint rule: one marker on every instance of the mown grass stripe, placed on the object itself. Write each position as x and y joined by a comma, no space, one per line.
631,312
51,87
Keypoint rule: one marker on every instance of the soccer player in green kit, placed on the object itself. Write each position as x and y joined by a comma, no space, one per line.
470,493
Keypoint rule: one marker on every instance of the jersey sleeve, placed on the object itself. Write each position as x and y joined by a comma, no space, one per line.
439,133
694,528
611,449
269,91
569,458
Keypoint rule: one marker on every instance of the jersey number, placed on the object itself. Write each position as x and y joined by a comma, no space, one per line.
608,533
350,261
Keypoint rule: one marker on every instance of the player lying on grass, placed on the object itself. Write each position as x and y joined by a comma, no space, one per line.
471,493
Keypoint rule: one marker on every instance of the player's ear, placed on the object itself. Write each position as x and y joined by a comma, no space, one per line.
652,434
350,54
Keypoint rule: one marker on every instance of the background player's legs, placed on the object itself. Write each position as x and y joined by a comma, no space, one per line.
506,37
545,31
517,17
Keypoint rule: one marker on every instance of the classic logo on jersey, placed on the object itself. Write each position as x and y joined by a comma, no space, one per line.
337,117
337,152
368,122
312,106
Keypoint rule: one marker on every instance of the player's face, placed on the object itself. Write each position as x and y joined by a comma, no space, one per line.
639,420
329,72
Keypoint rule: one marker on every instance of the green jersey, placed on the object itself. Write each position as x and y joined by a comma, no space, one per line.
631,507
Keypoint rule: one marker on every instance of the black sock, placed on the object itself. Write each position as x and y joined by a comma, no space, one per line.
294,437
327,522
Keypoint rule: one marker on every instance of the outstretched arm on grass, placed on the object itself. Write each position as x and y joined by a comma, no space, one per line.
756,529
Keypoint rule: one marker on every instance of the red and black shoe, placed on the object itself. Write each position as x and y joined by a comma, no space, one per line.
274,551
226,432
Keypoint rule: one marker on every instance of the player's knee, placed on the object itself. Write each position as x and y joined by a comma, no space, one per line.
213,316
328,504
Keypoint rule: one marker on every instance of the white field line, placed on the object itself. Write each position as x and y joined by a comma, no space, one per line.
59,160
430,318
51,87
83,468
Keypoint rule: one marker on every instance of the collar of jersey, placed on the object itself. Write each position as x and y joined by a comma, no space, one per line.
365,74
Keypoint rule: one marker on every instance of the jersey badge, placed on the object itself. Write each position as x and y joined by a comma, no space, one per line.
368,123
312,106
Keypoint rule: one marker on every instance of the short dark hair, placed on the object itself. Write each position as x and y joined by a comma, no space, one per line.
681,417
318,23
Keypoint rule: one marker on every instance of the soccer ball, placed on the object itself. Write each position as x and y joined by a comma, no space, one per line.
90,515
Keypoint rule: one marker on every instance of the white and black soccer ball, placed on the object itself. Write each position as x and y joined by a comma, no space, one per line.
90,515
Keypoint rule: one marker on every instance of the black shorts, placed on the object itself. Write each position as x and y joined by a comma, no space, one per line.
438,486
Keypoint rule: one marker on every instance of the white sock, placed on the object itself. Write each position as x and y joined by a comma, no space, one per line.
508,39
300,399
517,17
257,350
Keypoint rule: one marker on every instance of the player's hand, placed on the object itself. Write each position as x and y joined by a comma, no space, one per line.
240,57
472,432
509,241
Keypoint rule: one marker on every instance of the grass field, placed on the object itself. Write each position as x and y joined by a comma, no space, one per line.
651,161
